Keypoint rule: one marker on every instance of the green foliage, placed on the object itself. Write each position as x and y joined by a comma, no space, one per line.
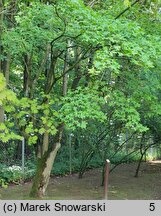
7,100
13,174
112,71
123,47
5,94
80,106
3,183
31,112
126,111
122,157
127,3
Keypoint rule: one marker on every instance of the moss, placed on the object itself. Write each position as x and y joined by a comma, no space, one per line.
39,179
44,167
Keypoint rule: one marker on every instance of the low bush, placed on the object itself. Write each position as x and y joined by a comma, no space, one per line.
14,174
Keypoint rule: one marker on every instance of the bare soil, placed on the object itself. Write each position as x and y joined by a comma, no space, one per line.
122,185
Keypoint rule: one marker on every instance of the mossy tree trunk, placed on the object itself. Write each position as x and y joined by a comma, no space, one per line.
48,152
43,171
45,164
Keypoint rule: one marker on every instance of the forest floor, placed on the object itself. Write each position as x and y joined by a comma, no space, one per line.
122,185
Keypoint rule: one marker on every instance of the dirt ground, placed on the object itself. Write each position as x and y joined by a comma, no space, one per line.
122,185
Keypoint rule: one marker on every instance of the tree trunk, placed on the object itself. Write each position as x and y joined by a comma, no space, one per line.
85,161
138,167
142,152
1,31
66,67
44,167
7,68
78,73
45,164
1,114
27,75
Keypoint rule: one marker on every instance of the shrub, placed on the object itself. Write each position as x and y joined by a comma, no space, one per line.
3,183
14,174
11,174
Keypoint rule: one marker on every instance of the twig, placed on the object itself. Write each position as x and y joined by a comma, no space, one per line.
126,9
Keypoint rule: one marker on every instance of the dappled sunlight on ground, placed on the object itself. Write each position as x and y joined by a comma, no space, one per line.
155,162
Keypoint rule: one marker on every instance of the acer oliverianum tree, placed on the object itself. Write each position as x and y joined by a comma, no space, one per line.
72,63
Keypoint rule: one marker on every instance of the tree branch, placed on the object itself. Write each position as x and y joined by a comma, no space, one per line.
67,71
126,9
70,68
